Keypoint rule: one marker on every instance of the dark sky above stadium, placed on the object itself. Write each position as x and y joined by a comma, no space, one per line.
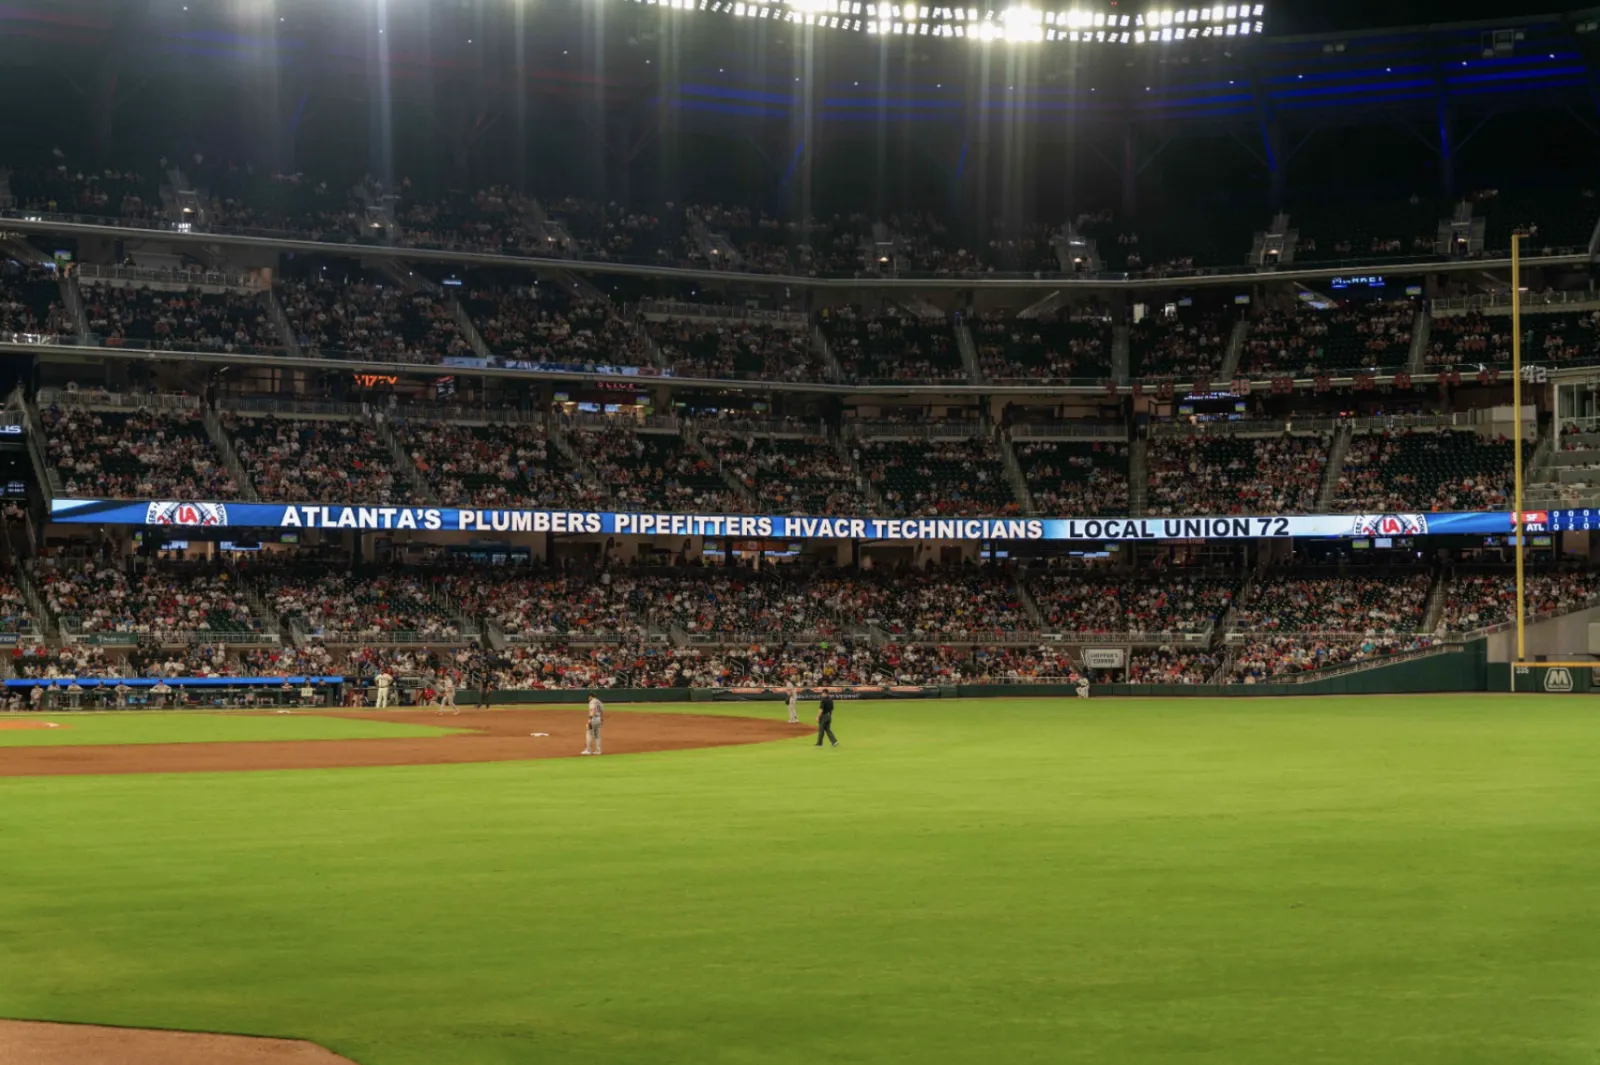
1316,16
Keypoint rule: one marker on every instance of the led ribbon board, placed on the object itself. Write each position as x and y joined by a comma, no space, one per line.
195,514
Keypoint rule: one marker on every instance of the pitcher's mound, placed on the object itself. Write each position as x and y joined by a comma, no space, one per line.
36,1043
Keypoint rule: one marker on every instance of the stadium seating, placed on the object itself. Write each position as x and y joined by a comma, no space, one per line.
127,316
1431,470
1268,657
494,465
1375,604
335,605
888,348
736,350
1189,345
30,302
1171,665
1466,341
1091,601
1236,474
1395,227
1043,350
653,470
1477,601
1073,477
308,460
790,474
367,319
151,453
546,324
933,477
1304,341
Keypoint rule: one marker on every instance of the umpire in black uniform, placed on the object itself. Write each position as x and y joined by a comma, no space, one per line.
825,720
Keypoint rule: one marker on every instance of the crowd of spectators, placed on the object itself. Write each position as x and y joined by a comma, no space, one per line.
494,465
653,470
1075,477
940,477
1425,470
1047,350
789,475
301,460
1186,345
1099,602
187,320
543,324
1466,341
348,606
1480,600
30,302
1266,657
1379,604
892,348
1236,474
1172,665
1303,341
33,661
97,598
152,453
362,319
730,349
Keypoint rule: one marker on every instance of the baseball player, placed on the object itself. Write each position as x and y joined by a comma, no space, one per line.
794,705
447,694
825,720
1082,682
383,683
597,717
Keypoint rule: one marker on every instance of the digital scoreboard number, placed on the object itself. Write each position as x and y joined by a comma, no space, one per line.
1563,520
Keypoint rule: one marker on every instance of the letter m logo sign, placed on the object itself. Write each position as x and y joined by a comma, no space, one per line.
1558,679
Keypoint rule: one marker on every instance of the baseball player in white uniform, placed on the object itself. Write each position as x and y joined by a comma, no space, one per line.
1082,681
383,682
794,705
597,717
447,694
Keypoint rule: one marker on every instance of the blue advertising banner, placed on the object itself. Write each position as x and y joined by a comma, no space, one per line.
196,514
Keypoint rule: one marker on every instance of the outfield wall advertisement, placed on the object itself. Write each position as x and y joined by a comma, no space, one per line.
196,514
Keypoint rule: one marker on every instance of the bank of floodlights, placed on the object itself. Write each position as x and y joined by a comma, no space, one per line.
1014,24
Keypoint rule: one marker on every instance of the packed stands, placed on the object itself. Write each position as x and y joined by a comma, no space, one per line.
315,460
1267,657
15,616
1383,604
1304,341
30,302
494,465
790,474
364,319
544,324
1094,601
1477,601
892,348
1172,665
350,607
653,470
150,453
68,660
1074,477
552,603
92,598
1236,474
1189,345
1425,469
189,320
938,476
734,349
1043,350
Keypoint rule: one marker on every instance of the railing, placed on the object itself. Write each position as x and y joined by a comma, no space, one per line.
275,405
1365,664
100,398
761,427
1068,431
749,639
582,639
683,309
393,637
456,414
917,431
172,275
1200,638
72,633
1245,636
665,423
1531,301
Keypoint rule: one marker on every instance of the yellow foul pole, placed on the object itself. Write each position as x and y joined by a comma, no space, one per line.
1516,431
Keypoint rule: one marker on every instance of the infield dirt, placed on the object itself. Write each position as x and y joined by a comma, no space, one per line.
491,736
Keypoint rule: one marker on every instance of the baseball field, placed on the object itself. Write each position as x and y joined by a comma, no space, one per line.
1380,880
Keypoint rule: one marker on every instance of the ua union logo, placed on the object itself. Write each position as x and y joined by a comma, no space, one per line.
179,513
1390,525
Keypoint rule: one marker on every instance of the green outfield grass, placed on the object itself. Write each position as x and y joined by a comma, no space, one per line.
1253,882
125,726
